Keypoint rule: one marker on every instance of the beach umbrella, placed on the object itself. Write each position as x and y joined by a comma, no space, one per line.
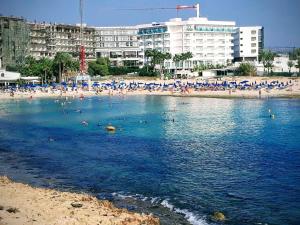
244,81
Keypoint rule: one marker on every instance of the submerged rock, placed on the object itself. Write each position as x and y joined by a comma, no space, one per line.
110,128
218,216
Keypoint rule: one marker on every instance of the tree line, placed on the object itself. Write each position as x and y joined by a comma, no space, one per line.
62,66
266,57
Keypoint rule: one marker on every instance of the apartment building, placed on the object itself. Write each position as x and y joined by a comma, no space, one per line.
211,42
119,44
248,43
48,39
14,40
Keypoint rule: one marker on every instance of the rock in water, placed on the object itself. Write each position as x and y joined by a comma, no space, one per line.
76,204
110,128
218,216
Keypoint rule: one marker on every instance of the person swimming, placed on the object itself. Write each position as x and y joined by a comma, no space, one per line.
50,139
84,123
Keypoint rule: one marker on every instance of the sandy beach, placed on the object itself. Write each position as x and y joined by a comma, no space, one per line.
290,92
21,204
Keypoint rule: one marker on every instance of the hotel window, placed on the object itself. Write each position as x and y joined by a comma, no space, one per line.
253,32
253,45
253,51
253,39
241,39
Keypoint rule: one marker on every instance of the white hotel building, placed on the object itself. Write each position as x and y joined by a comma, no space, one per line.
248,42
119,44
211,42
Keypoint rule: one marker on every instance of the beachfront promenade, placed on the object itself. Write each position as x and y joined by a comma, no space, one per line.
248,87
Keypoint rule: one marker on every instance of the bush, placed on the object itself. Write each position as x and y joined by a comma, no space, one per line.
148,71
98,67
246,69
281,74
12,68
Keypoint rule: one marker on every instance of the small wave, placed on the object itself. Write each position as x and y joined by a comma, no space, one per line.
165,203
189,216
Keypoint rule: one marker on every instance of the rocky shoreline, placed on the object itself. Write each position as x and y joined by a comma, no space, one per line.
23,204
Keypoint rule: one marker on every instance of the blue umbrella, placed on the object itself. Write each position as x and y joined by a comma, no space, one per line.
243,82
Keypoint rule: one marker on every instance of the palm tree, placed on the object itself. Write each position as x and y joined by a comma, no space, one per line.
164,56
182,58
157,58
46,67
267,58
176,59
186,56
63,60
148,55
290,65
295,55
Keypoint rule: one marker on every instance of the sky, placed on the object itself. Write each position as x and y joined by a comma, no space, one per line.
280,18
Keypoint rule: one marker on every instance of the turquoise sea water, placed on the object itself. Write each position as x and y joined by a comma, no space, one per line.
179,158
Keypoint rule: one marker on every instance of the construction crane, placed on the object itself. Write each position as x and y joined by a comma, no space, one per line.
178,8
82,49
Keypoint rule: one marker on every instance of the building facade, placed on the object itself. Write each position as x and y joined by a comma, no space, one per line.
14,40
48,39
119,44
210,42
248,43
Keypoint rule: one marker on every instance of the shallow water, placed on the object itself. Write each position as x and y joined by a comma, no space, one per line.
179,158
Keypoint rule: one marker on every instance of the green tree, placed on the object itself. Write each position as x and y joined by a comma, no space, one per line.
182,58
155,57
186,56
30,67
61,63
176,60
46,66
99,67
290,65
295,55
267,58
246,69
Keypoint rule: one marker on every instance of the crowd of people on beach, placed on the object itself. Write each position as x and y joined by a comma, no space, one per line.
176,86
